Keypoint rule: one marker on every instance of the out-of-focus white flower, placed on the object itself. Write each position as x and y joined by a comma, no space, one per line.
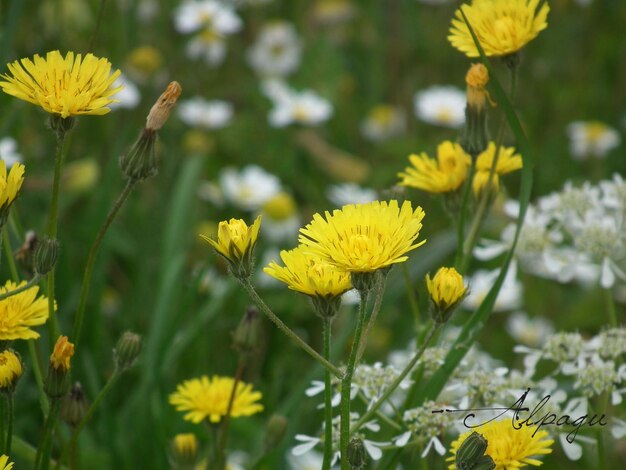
441,106
311,460
147,10
199,112
249,188
128,96
529,331
261,278
281,221
194,15
8,152
352,297
383,122
591,139
350,193
209,191
481,282
207,45
277,50
290,106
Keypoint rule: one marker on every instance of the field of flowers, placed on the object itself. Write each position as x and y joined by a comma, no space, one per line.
312,234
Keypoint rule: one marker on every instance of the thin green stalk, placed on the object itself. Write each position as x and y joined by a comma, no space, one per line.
42,461
223,435
346,383
91,260
396,383
35,279
463,213
9,254
408,283
10,418
378,300
610,307
35,363
286,330
97,28
328,395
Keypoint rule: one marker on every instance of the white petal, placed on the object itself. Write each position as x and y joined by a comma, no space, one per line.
375,452
607,278
573,451
402,439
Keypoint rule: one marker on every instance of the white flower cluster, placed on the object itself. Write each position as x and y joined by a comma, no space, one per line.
576,234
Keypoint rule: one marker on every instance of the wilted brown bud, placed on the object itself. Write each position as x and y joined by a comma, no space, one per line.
161,110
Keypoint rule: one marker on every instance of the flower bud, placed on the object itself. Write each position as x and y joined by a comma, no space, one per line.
57,382
474,137
127,350
10,370
446,292
74,406
247,335
472,449
356,454
46,255
61,125
275,431
183,451
161,110
326,306
141,161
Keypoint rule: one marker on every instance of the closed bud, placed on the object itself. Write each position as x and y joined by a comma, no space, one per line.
474,137
275,431
74,406
161,110
10,370
127,350
248,333
61,125
57,382
472,449
141,161
446,290
183,451
356,454
46,255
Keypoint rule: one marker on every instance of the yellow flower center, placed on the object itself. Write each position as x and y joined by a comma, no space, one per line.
595,131
382,115
444,115
280,207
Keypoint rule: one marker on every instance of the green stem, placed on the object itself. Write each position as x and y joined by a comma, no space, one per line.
223,437
378,300
26,286
410,292
9,254
346,383
10,418
463,214
91,260
328,394
610,307
396,383
286,330
42,461
35,363
97,28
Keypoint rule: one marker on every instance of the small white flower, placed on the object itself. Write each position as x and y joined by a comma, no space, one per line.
591,139
128,96
277,50
249,188
208,46
350,193
481,282
441,106
529,331
292,107
199,112
383,122
194,15
311,460
8,152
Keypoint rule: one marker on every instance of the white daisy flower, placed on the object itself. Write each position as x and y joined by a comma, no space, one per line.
8,152
293,107
591,139
128,96
350,193
194,15
207,45
277,50
198,112
441,106
383,122
249,188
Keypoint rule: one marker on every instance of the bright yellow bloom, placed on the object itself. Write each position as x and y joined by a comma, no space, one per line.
20,312
508,161
235,240
63,86
184,450
309,274
5,464
362,238
205,398
10,368
509,448
446,289
502,27
62,354
447,173
10,185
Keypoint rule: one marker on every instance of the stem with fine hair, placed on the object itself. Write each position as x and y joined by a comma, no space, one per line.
42,461
346,384
288,331
223,436
34,280
91,259
378,300
10,418
328,394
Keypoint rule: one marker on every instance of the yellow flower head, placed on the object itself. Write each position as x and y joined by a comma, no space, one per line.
445,174
508,161
235,239
446,291
502,27
309,274
5,464
10,368
10,185
205,398
21,311
476,79
184,450
509,448
63,86
61,355
362,238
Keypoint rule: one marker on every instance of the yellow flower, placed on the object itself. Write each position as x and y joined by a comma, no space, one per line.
20,312
235,240
446,291
5,464
205,398
63,86
184,450
10,368
508,161
363,238
62,354
309,274
509,448
10,185
502,27
445,174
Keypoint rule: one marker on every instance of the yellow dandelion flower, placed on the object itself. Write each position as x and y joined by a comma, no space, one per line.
502,27
446,291
445,174
508,161
10,185
205,398
309,274
20,312
62,354
235,239
63,86
10,369
509,448
4,463
363,238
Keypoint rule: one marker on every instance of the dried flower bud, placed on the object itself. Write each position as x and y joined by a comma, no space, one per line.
247,335
474,137
46,255
161,110
275,431
356,454
74,406
57,382
476,79
127,350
